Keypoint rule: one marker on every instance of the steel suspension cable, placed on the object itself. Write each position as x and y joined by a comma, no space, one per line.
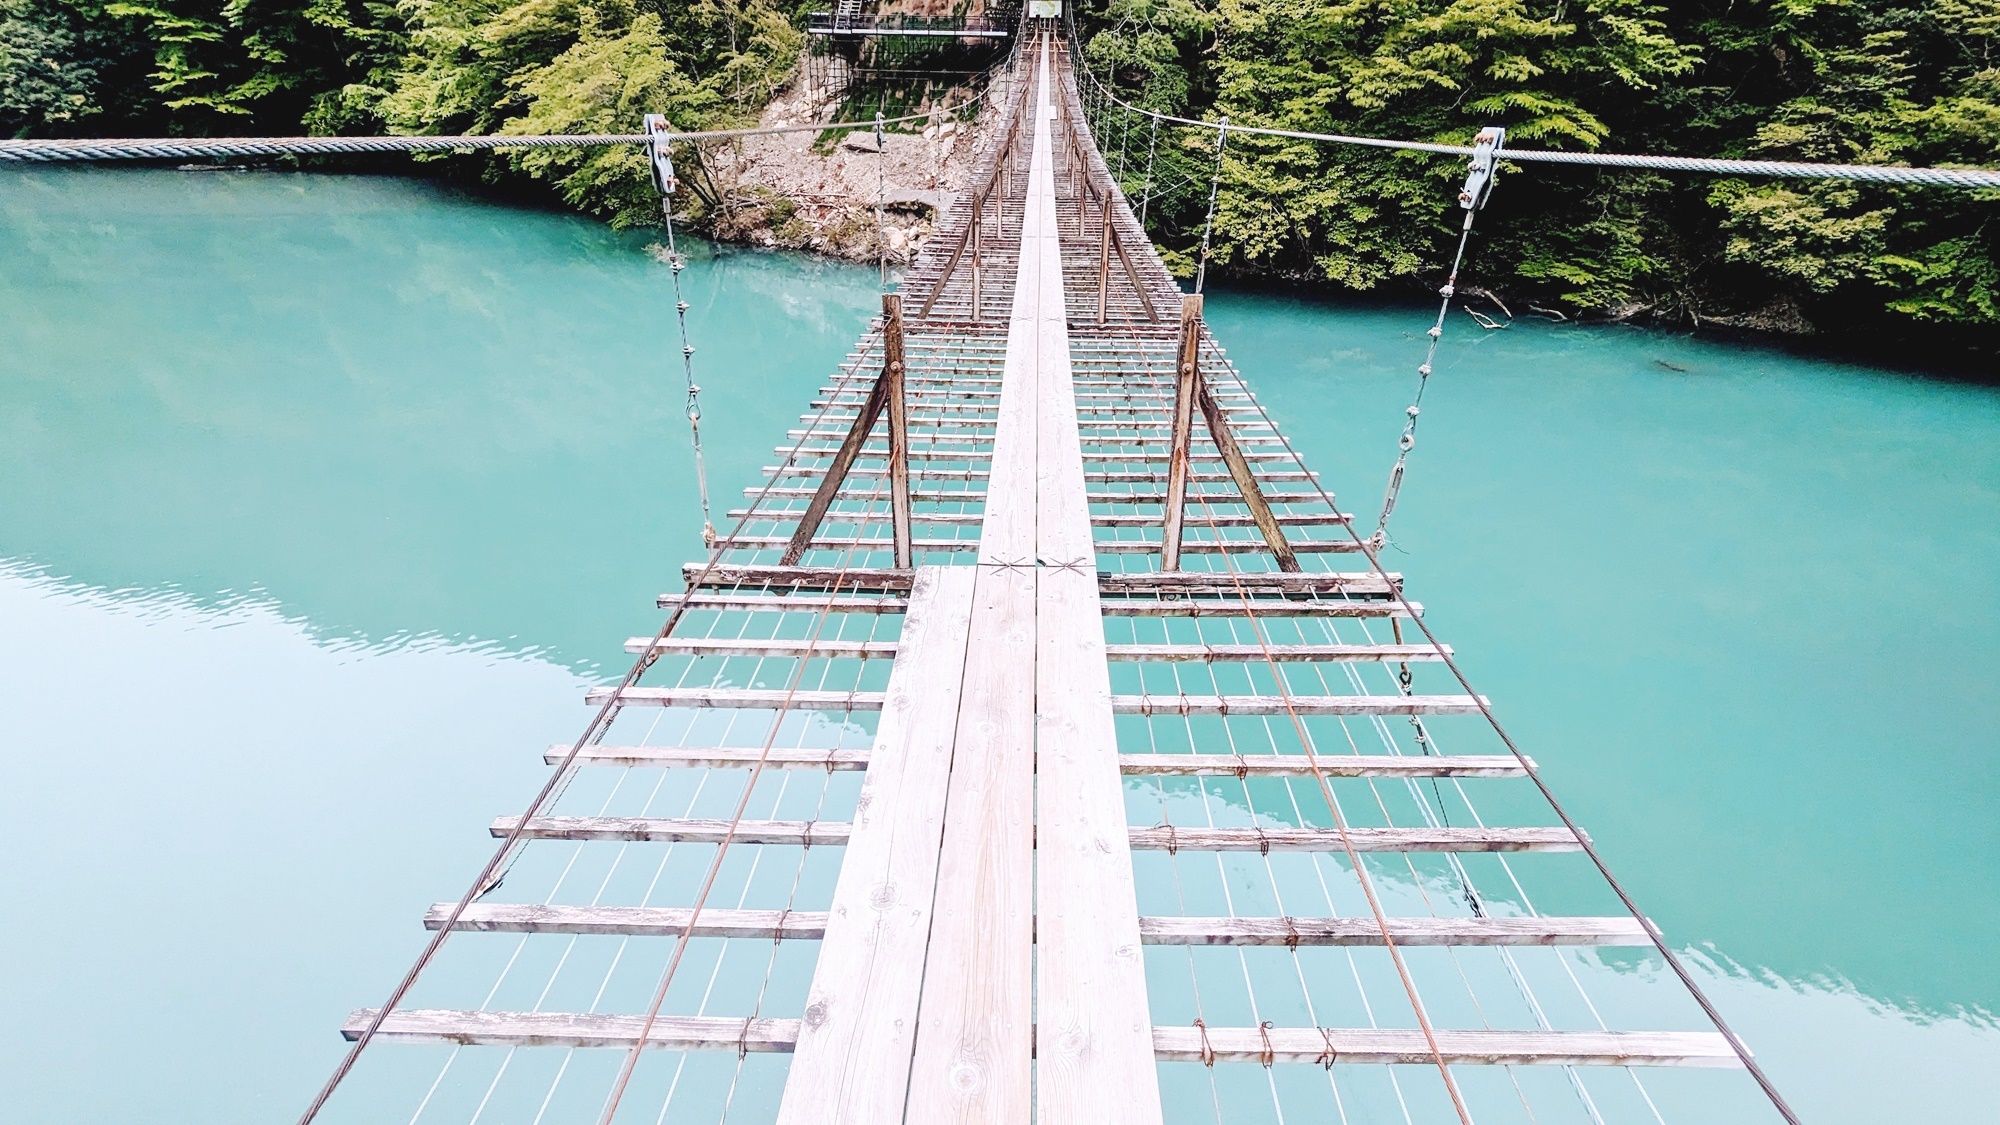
1340,822
593,732
1673,961
1793,169
179,148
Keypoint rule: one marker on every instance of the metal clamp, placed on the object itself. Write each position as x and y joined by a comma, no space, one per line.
1479,176
660,135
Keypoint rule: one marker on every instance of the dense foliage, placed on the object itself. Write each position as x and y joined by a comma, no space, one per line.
1860,81
1873,81
197,67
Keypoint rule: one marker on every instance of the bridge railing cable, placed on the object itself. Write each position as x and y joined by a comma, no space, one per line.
1791,169
181,148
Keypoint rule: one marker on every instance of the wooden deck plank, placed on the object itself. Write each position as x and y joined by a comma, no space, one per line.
1255,607
636,921
713,757
794,603
576,1029
753,698
819,648
1404,931
974,1047
1094,1059
660,829
1257,654
1166,838
1288,1045
1297,704
1367,1046
855,1048
1332,765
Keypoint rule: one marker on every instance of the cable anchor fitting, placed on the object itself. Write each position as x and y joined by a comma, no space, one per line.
1479,174
659,136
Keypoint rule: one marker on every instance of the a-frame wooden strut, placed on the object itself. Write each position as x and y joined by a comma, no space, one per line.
887,393
1190,389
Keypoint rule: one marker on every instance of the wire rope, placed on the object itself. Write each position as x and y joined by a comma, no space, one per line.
1673,961
1347,845
1875,173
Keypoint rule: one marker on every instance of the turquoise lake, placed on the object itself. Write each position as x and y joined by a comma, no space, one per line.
323,498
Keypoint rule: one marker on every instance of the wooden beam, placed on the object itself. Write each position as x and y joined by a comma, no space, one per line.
1368,1046
1187,367
1169,838
635,921
1090,976
1258,654
899,427
1212,582
817,648
1134,765
713,757
752,698
1296,705
777,577
1332,765
1256,582
1246,481
577,1029
1405,931
1255,607
1288,1045
790,603
843,460
657,829
854,1053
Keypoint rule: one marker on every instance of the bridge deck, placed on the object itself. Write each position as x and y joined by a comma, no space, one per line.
1017,918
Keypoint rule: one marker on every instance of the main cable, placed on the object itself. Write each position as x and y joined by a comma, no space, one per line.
1793,169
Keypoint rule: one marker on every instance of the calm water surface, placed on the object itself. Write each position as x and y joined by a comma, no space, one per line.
322,498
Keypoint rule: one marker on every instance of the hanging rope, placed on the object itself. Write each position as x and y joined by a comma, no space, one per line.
1409,439
1146,194
1214,190
881,194
1472,197
677,263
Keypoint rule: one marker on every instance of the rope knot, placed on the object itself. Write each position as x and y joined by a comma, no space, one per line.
1207,1052
1327,1057
1266,1056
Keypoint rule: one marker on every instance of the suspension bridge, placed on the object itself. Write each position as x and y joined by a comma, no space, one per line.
1120,781
1039,741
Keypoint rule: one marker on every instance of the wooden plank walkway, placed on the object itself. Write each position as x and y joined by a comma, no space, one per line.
1061,692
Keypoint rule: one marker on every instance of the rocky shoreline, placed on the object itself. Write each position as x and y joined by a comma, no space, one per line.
790,191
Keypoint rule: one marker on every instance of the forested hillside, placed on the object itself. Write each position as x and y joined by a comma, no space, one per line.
1863,81
1867,81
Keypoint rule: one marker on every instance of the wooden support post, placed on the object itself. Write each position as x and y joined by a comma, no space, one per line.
1246,481
978,221
1191,389
1187,372
850,451
899,425
1132,275
1104,259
